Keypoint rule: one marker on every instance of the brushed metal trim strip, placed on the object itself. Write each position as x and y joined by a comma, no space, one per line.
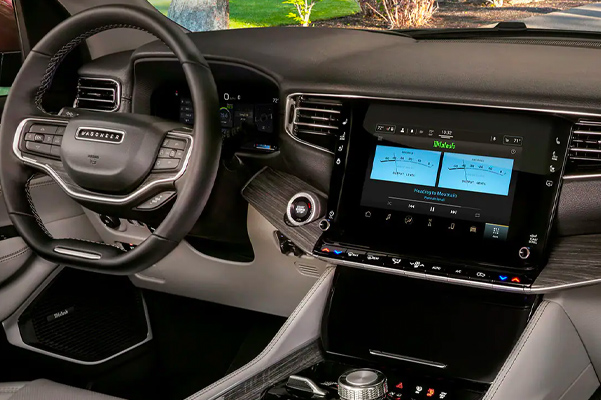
97,197
586,176
77,253
408,359
13,333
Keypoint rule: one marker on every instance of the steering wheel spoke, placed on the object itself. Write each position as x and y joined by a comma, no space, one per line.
38,141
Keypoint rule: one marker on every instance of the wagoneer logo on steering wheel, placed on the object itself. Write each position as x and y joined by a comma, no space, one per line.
100,135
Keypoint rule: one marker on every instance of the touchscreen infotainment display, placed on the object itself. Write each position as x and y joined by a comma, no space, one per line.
445,183
450,183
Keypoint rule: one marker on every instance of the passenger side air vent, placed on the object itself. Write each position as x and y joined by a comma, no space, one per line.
316,120
98,94
585,148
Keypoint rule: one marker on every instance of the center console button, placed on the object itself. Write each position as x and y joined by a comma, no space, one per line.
305,385
436,269
415,266
362,384
511,279
303,208
393,262
524,253
354,255
374,259
332,251
479,275
458,272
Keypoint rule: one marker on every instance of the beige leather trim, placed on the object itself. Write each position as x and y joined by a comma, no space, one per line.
302,327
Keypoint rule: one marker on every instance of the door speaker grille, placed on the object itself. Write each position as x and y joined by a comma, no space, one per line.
86,317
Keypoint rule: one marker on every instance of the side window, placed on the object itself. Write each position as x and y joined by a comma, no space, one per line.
9,45
9,35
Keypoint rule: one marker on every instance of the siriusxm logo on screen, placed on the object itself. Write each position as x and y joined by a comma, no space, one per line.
443,145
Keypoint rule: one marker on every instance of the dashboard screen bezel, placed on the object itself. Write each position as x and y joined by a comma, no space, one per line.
533,207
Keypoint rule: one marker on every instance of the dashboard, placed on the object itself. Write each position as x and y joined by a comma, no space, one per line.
409,168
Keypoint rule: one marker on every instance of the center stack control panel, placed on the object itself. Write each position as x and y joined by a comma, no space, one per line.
331,380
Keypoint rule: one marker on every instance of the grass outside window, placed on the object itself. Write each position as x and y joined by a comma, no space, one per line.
259,13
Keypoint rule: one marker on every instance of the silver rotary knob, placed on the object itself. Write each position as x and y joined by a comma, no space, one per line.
362,384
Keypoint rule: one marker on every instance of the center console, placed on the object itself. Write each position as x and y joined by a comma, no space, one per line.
462,193
391,338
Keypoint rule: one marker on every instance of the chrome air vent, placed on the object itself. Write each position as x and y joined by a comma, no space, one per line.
585,147
315,120
98,94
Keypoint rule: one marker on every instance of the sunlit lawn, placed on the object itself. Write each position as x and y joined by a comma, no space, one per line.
253,13
3,91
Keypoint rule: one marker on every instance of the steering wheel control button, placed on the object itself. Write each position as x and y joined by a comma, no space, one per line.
156,201
174,144
39,128
39,148
362,384
303,208
57,141
166,164
55,151
48,139
524,253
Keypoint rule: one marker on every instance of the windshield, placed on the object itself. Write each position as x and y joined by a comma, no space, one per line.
204,15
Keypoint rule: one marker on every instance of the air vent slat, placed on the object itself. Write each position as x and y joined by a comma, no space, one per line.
98,94
316,125
321,110
579,132
585,148
316,121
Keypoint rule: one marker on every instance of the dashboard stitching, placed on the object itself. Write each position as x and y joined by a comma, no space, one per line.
514,356
60,55
274,341
14,254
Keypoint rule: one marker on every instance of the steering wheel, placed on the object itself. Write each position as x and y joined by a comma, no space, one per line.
111,160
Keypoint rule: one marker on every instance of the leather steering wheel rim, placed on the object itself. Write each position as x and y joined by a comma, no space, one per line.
193,187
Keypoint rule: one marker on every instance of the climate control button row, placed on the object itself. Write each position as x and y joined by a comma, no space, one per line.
423,267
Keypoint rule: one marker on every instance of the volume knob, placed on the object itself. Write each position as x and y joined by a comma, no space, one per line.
362,384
